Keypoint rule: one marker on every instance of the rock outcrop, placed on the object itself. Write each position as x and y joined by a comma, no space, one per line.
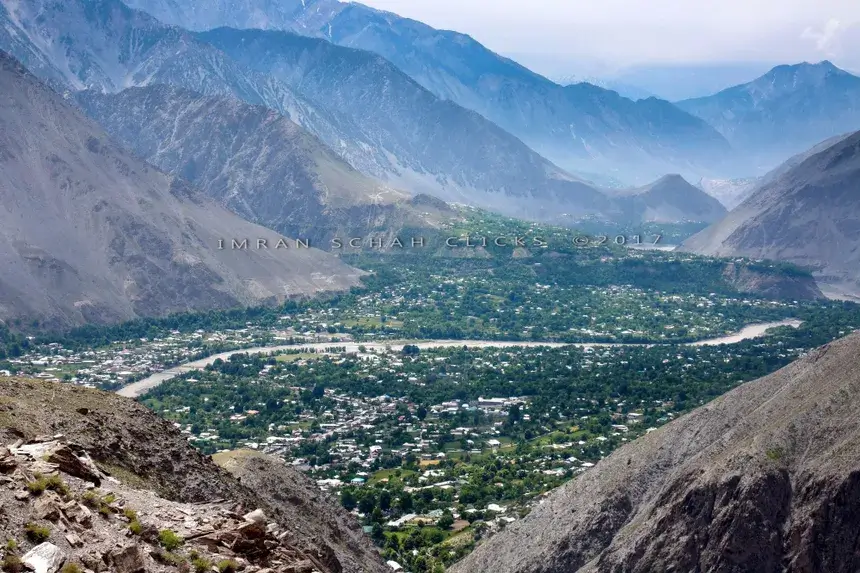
765,478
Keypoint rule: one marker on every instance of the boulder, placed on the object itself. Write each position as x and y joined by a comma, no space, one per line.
47,506
75,462
256,516
44,558
128,560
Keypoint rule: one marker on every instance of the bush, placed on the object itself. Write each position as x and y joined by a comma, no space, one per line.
11,545
201,564
169,540
130,514
71,568
37,487
228,566
135,527
12,564
37,533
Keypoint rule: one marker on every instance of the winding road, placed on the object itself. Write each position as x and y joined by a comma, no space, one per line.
142,386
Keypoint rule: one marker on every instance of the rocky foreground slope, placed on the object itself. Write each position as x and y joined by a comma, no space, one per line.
765,478
91,479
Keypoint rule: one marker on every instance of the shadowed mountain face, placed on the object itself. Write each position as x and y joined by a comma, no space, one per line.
805,212
784,112
580,127
765,478
252,160
90,233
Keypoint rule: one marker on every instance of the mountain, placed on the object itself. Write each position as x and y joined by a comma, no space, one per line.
581,127
679,81
670,199
806,213
251,159
369,112
90,233
762,479
441,148
626,90
783,112
108,462
729,192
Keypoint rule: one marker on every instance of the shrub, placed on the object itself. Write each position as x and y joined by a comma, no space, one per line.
130,514
201,564
135,527
228,566
71,568
57,484
37,487
11,545
91,499
37,533
12,564
169,540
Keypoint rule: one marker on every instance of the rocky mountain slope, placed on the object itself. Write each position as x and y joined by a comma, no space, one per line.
806,213
581,127
441,148
90,233
670,199
729,192
762,479
95,480
253,160
784,112
370,113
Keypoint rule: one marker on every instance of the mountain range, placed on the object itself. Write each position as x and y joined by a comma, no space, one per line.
91,233
252,160
762,479
805,212
783,112
579,127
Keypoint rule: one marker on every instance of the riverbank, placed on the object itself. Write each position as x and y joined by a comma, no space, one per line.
142,386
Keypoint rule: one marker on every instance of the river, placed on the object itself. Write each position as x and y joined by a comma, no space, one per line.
142,386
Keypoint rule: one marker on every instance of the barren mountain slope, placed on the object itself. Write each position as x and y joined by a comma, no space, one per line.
765,478
808,214
89,232
254,161
150,468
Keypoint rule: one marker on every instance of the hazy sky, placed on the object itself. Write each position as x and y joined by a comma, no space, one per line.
617,33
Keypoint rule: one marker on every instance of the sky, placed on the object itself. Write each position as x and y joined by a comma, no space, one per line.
600,36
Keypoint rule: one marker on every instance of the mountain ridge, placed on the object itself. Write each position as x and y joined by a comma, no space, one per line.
805,213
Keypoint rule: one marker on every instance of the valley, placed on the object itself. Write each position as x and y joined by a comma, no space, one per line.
305,286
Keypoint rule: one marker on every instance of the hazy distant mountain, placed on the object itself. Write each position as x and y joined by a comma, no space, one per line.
807,213
627,90
670,199
679,81
440,147
90,233
251,159
784,111
580,127
729,192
